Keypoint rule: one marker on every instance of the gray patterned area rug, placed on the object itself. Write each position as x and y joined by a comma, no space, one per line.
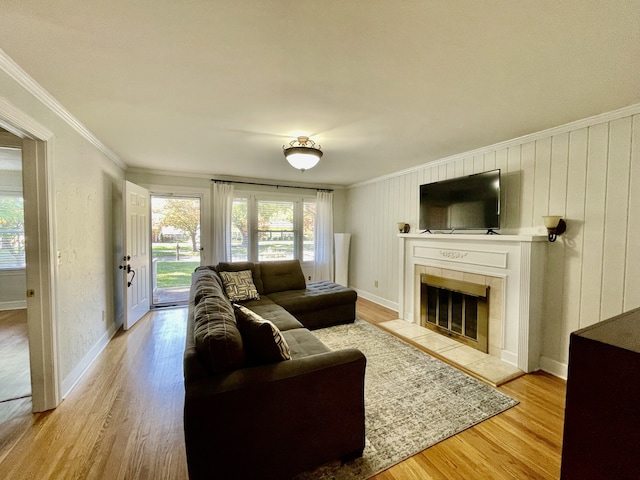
412,401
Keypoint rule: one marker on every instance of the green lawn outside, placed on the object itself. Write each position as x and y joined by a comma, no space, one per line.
169,250
174,274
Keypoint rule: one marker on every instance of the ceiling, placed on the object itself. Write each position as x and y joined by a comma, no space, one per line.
217,87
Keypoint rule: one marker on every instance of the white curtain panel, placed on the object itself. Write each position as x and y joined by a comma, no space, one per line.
222,208
324,236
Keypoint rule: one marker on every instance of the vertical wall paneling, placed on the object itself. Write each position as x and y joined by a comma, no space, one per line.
558,174
595,206
514,174
468,165
588,172
478,164
490,161
501,163
459,167
541,180
385,233
615,226
527,166
632,272
573,238
553,306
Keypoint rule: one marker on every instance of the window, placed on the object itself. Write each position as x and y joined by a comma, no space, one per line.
265,229
11,231
240,230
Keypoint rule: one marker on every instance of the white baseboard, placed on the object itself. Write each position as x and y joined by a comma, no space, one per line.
16,305
554,367
79,370
375,299
509,357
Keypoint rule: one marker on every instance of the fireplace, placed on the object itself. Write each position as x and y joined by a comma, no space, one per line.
511,265
455,308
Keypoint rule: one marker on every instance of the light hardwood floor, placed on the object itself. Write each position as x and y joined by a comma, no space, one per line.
525,442
124,420
15,376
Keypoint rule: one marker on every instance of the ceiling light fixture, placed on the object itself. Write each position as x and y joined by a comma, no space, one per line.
302,153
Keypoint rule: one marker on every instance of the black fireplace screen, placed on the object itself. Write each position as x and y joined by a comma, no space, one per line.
457,309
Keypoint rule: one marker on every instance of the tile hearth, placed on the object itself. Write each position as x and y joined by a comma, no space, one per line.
483,366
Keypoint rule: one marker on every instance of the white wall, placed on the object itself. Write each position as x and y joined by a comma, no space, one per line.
87,187
587,171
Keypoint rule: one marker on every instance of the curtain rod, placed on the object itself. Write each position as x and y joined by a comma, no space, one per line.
273,185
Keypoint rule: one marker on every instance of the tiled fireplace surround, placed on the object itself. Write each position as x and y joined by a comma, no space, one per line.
511,265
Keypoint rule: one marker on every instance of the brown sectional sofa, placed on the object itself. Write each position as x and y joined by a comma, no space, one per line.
247,419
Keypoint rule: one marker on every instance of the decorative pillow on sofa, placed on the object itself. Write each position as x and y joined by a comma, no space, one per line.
217,337
262,339
239,286
238,266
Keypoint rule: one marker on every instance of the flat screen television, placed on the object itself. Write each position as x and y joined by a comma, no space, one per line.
464,203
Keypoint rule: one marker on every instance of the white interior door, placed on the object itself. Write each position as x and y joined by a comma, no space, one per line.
135,263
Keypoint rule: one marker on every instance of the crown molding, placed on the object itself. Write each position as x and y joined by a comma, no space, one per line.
228,178
531,137
16,72
168,173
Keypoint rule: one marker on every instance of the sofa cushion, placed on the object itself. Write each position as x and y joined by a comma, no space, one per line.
263,341
206,284
303,343
266,308
239,286
282,275
239,266
217,337
317,296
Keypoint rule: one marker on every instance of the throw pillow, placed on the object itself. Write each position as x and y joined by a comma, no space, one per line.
238,266
239,286
262,339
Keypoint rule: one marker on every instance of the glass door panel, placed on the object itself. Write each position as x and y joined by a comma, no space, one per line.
176,250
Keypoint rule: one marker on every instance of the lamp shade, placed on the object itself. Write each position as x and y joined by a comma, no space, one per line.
302,153
551,221
303,158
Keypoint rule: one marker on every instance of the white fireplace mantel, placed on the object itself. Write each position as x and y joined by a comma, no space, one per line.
517,259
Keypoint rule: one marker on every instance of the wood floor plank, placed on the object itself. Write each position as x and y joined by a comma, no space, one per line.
124,421
15,375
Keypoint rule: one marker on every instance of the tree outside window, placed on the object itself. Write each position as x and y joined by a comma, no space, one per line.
12,232
272,229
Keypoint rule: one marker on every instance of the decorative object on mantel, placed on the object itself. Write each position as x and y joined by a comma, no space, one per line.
404,227
413,401
555,226
302,153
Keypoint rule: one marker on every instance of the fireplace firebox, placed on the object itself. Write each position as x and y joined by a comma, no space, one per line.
456,309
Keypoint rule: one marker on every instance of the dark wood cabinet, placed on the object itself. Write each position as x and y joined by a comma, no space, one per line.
602,416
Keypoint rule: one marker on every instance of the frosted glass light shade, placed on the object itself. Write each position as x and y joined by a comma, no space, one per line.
551,221
303,160
302,153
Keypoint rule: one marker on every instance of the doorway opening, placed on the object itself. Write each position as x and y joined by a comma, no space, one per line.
176,249
15,370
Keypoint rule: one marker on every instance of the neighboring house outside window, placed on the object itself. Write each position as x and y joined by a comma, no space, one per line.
267,228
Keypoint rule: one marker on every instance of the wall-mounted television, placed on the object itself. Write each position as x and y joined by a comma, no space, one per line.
464,203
